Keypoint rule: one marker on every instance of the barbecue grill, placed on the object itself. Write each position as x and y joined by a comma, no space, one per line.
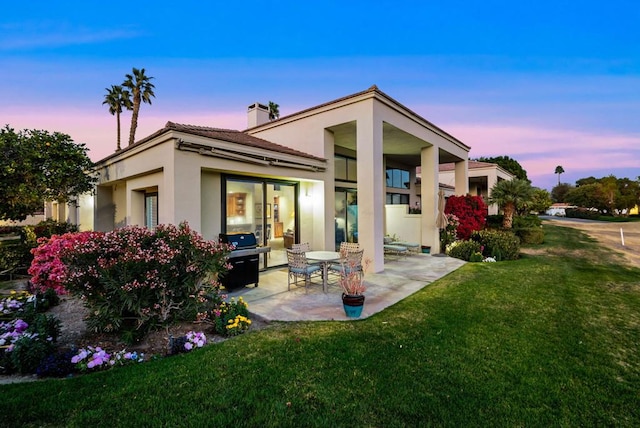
244,259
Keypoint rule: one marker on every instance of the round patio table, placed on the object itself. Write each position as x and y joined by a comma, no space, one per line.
324,257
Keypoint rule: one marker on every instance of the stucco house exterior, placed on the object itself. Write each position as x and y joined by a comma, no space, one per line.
322,175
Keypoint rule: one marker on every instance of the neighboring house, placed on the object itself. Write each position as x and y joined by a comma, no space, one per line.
322,175
558,209
482,177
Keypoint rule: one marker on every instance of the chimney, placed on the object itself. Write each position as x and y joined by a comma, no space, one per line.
257,114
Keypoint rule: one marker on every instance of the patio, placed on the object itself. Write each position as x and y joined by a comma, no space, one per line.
402,277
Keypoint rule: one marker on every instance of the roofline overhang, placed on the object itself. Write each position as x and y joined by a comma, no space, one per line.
263,159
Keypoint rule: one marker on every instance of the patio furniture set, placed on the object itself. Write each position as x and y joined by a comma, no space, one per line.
305,264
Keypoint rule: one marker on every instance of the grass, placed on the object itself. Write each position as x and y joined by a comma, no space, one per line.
548,340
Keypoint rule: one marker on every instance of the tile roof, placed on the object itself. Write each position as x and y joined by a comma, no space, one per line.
238,137
228,135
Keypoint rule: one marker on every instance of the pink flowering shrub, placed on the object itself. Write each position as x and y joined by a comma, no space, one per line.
134,279
47,270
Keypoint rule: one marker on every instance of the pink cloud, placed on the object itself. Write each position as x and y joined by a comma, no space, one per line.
539,150
97,129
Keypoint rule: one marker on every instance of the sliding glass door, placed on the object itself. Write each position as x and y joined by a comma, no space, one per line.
266,208
346,216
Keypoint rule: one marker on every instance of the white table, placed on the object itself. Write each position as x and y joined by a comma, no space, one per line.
324,257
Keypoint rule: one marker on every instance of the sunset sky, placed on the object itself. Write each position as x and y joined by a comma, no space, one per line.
547,83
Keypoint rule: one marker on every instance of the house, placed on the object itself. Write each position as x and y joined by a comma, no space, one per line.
482,177
558,209
322,175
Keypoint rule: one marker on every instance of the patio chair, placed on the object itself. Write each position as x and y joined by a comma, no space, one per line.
349,246
302,247
350,261
300,268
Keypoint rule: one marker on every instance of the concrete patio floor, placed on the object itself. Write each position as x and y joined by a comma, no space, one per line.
402,277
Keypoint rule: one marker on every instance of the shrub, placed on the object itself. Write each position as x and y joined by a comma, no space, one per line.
530,236
16,254
463,249
47,269
471,212
228,318
527,221
500,245
134,279
27,343
476,257
581,213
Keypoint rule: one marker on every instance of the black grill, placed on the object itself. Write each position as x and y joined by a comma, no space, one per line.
244,259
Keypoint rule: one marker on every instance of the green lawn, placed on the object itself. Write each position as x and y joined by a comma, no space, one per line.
549,340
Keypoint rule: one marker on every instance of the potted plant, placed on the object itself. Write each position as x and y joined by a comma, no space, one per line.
352,283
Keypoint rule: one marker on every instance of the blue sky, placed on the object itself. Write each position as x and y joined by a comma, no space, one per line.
550,83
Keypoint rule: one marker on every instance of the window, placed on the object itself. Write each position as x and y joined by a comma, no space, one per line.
151,210
397,198
398,178
345,168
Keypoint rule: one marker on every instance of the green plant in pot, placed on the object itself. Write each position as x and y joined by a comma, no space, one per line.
352,283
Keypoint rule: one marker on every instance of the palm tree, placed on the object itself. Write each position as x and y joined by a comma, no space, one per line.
511,195
117,99
274,112
559,170
142,90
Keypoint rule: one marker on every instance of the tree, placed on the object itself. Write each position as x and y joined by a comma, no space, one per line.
629,194
540,200
508,164
559,192
117,98
590,196
142,91
38,166
559,170
274,111
511,195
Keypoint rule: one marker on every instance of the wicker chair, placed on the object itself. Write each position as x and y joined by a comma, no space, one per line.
300,268
350,261
302,247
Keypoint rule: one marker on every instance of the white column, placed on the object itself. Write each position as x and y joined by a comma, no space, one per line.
371,187
429,189
492,179
328,229
462,177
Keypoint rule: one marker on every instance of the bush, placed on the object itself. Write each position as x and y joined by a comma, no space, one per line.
530,236
16,253
47,269
134,279
527,221
463,250
471,212
581,213
500,245
27,343
228,318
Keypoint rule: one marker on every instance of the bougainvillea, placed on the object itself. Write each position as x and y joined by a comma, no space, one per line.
134,279
471,212
47,270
